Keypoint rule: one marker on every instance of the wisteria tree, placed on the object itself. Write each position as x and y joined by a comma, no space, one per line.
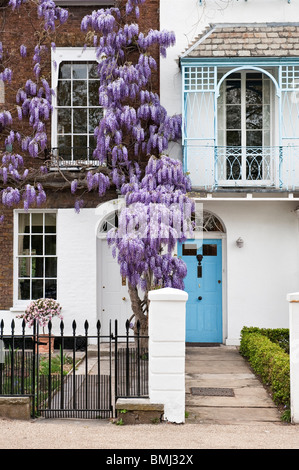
156,215
135,126
20,181
131,141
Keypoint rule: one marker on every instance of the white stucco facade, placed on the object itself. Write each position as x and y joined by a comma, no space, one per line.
258,276
188,19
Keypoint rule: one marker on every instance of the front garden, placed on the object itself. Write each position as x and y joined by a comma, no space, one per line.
267,351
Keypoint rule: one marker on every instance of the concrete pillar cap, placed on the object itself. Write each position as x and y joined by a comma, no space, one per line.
294,297
168,293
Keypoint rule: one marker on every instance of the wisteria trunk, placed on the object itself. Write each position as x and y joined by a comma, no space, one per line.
139,312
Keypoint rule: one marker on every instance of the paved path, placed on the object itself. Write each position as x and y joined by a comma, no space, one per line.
247,420
224,369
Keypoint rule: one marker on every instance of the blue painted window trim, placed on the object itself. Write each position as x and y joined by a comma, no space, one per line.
235,64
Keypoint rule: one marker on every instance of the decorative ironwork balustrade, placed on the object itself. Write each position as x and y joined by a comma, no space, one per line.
211,167
72,157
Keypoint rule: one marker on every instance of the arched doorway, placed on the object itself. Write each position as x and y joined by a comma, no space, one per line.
113,301
203,256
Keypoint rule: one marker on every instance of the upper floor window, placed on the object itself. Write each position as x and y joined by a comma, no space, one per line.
36,256
244,110
244,126
77,109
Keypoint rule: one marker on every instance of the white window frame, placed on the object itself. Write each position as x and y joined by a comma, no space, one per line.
243,181
59,55
20,305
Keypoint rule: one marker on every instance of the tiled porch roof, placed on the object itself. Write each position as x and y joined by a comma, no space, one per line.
246,40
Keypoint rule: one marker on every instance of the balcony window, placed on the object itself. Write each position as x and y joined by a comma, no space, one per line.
241,108
244,126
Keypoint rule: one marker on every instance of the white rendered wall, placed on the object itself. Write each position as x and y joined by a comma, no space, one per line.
257,277
188,19
76,272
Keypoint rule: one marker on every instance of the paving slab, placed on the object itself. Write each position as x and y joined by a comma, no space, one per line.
223,367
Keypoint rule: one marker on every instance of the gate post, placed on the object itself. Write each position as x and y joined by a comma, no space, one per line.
167,320
293,300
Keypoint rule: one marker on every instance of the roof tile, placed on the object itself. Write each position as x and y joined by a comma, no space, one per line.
256,40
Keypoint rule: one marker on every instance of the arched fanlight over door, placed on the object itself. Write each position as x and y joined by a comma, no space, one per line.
208,222
111,221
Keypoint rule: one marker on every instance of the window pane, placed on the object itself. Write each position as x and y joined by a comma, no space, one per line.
254,138
65,146
189,249
50,222
209,250
64,121
24,267
37,245
80,121
95,115
38,267
80,147
93,70
233,117
266,91
64,93
79,93
24,245
221,117
233,138
254,117
254,91
24,222
65,71
266,140
24,289
50,244
50,267
37,223
79,71
37,289
51,288
233,92
94,92
266,117
92,146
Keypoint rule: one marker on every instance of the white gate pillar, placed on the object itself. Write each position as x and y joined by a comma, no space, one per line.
294,354
167,325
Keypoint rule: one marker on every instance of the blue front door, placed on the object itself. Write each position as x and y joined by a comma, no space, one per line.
204,286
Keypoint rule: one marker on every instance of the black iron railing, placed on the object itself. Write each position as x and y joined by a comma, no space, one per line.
81,376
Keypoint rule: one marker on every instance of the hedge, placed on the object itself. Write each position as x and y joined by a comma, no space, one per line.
279,336
269,361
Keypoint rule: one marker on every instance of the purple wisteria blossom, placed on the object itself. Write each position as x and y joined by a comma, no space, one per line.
157,215
134,124
33,104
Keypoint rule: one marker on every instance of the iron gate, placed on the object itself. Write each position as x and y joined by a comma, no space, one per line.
74,375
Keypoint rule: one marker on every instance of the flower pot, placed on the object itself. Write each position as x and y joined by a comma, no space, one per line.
43,346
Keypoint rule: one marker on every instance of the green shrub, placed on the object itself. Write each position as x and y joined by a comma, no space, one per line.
269,361
279,336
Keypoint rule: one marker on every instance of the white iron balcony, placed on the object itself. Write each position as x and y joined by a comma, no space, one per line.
213,167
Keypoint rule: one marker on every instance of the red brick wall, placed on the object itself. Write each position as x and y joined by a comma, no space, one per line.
21,27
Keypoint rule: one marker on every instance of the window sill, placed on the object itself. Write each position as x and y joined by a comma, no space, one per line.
18,308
